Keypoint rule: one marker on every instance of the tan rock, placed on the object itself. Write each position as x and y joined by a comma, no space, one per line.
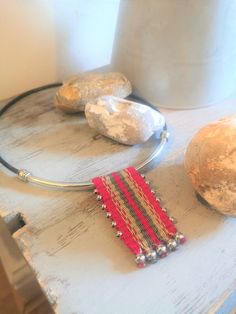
210,163
83,88
124,121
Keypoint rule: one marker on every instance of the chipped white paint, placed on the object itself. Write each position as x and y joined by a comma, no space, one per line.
69,242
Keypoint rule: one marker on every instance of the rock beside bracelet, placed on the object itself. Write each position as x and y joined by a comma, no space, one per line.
124,121
210,162
83,88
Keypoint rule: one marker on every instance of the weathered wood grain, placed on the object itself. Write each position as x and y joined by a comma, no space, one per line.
8,303
69,242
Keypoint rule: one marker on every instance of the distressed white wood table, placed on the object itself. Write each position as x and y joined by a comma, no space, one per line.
68,241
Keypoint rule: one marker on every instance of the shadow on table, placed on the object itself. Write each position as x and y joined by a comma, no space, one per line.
83,220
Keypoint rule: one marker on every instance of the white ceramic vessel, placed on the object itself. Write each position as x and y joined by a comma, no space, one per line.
178,53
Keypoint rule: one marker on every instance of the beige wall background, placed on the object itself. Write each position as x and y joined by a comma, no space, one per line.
45,41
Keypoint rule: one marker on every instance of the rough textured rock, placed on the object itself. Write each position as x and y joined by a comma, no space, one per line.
124,121
83,88
210,163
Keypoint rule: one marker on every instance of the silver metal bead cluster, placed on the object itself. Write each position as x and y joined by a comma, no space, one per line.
172,245
172,219
113,224
151,256
140,260
118,234
161,250
179,238
99,197
108,215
